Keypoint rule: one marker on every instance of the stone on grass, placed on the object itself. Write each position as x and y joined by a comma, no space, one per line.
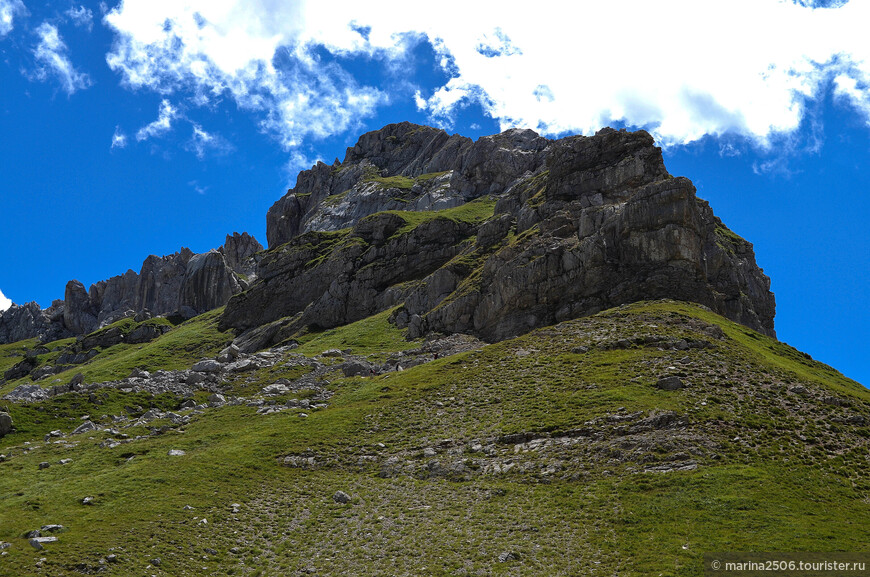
671,383
176,453
85,427
44,465
216,399
506,556
207,366
341,497
88,501
5,424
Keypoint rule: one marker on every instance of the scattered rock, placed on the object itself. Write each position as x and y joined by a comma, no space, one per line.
5,424
216,399
85,427
139,374
176,453
88,501
112,558
65,461
44,465
671,383
207,366
156,561
52,529
331,353
798,390
506,556
275,389
341,497
356,368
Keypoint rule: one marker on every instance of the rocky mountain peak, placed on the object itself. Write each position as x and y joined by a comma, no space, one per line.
519,232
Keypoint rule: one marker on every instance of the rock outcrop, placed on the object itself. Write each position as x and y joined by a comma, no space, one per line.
182,283
574,226
20,322
239,251
208,283
402,167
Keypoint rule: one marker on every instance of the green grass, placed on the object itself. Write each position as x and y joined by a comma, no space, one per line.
177,349
399,182
373,335
598,514
474,212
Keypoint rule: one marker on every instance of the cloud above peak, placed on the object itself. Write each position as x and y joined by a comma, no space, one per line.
52,56
9,10
683,69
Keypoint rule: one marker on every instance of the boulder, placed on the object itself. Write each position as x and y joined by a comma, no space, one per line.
6,424
341,497
671,383
207,366
85,427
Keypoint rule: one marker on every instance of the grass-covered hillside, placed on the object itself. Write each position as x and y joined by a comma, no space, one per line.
554,453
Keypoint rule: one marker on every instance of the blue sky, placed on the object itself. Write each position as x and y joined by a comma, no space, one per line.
136,128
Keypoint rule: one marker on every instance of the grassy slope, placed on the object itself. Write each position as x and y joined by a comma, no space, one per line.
177,349
600,515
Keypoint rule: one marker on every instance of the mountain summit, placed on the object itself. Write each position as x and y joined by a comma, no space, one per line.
492,237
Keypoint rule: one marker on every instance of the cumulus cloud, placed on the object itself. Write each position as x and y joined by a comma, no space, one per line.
5,303
52,57
681,68
81,17
9,10
161,126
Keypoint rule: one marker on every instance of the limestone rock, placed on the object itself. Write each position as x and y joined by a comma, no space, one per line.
20,322
239,250
79,315
208,282
165,285
594,222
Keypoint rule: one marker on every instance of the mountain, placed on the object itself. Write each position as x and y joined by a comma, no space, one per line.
181,284
512,356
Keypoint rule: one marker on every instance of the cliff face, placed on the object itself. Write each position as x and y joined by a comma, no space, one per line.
182,283
536,231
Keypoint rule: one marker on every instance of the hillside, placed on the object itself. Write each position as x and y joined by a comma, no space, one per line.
556,447
509,356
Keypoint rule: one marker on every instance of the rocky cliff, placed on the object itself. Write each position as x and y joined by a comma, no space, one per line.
183,284
492,237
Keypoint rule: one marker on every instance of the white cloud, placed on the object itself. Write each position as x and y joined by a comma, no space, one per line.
119,139
9,9
5,303
202,141
81,16
161,126
682,68
51,54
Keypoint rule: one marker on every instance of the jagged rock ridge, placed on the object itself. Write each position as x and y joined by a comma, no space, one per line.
182,283
575,226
